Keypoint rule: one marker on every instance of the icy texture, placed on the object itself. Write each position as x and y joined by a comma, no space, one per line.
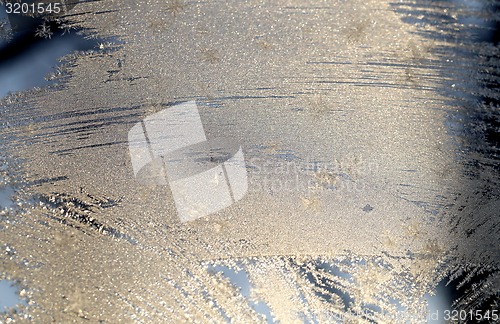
365,185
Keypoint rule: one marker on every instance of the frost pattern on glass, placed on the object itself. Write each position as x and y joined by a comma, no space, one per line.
370,145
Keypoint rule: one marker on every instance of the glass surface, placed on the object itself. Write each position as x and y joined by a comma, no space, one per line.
285,161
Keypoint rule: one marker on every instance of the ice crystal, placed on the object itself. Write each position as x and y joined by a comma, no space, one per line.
44,31
371,180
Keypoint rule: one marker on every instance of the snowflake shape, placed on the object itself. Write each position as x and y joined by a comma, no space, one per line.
44,31
175,7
